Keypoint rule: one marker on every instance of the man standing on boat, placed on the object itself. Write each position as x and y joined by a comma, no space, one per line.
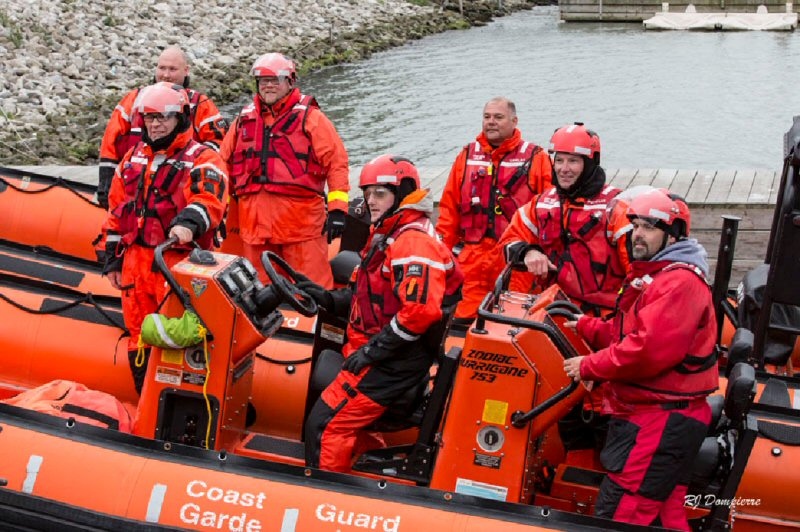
125,127
167,185
658,360
282,151
407,284
561,235
490,179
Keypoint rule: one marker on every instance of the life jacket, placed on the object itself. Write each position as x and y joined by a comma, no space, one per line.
587,266
145,214
69,399
490,196
272,158
134,136
697,374
374,301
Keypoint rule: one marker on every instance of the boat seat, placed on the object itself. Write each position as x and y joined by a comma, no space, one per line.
740,393
717,404
342,266
715,451
405,412
706,466
741,348
775,393
784,319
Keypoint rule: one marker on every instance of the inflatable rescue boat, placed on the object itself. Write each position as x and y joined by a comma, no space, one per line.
482,449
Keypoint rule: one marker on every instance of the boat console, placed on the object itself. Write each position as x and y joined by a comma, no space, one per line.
198,395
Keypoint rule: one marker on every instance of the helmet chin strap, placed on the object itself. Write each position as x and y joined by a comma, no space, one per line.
663,244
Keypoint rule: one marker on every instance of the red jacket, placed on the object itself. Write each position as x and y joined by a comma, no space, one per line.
406,277
659,346
573,236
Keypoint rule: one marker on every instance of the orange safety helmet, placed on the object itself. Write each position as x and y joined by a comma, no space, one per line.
162,97
576,139
274,64
658,208
389,170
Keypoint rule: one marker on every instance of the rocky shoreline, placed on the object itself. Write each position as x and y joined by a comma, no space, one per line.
67,63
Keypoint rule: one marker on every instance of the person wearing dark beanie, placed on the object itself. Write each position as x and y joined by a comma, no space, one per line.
560,236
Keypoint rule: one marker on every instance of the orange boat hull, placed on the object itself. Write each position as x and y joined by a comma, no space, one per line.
46,211
202,490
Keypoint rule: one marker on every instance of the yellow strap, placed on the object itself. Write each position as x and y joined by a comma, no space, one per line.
140,346
339,195
203,332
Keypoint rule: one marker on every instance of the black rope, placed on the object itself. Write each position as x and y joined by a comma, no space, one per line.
87,299
58,182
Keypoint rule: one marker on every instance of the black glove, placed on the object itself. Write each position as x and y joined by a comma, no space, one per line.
113,262
322,297
356,362
105,175
335,224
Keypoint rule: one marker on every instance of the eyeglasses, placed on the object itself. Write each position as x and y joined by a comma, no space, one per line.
149,118
270,80
377,192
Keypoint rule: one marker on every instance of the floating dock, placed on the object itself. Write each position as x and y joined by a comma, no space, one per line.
761,20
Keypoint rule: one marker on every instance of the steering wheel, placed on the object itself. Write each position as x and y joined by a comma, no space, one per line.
286,290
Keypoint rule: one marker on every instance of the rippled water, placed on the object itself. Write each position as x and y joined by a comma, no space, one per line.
657,99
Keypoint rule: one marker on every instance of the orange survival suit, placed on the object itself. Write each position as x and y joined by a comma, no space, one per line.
183,184
485,188
405,280
125,128
280,158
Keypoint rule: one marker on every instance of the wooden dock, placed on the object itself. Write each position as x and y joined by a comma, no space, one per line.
749,194
639,10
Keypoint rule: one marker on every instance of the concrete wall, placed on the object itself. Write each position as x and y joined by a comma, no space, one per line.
639,10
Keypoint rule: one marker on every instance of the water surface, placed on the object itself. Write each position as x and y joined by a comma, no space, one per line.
680,100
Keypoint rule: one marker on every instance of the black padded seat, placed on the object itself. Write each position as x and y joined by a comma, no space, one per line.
717,403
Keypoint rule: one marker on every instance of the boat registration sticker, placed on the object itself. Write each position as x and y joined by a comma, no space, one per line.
332,333
495,412
169,375
481,489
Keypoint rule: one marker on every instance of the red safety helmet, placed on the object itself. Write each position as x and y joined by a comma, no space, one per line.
658,208
684,215
388,170
576,139
274,64
162,97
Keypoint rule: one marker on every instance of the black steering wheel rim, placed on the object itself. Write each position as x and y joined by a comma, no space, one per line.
288,291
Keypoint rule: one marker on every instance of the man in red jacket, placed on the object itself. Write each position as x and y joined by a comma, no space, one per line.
658,360
490,179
